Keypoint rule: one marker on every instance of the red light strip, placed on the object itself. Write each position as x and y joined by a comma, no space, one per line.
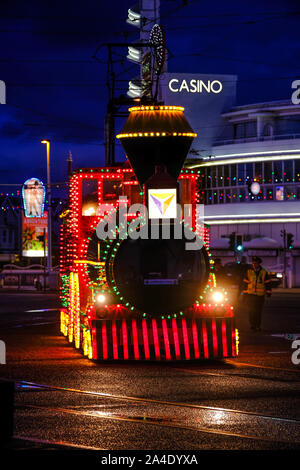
155,338
166,339
125,340
215,339
94,333
195,339
115,339
176,340
135,340
104,340
145,337
233,341
224,338
205,341
185,339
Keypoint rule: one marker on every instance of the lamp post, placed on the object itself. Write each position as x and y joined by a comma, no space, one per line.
49,259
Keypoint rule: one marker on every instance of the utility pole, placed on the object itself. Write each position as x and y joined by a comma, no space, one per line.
70,162
49,257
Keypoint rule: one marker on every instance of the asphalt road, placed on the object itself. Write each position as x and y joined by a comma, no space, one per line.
251,402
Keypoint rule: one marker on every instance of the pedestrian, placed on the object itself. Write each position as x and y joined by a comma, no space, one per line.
242,274
258,286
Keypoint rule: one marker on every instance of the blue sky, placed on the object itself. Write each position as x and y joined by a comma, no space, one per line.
56,90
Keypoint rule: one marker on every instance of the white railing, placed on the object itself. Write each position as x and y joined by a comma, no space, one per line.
256,139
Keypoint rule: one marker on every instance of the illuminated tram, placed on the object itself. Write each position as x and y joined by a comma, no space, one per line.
126,295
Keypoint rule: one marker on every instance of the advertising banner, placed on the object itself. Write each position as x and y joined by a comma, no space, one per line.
33,192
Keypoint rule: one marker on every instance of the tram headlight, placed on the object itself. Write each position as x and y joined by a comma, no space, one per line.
100,299
218,297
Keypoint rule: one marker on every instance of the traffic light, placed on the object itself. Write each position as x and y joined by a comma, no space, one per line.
239,243
289,241
232,241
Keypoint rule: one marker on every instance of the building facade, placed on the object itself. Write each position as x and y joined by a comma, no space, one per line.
251,185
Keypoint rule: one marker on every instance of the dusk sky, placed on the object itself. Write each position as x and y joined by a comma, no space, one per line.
56,90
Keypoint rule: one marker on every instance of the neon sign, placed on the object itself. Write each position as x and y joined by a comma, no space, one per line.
33,193
195,86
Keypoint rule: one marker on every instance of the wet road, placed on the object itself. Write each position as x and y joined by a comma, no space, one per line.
248,403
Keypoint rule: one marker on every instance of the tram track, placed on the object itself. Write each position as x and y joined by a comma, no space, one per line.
198,418
242,375
37,386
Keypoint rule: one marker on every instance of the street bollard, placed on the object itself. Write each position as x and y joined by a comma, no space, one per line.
7,389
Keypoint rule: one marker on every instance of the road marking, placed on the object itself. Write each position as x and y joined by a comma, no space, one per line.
279,352
42,310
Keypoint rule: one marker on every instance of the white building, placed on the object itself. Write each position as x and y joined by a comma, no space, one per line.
260,144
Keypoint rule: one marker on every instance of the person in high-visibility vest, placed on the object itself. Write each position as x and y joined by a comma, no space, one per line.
258,286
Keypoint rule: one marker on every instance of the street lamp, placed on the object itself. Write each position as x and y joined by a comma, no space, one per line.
49,261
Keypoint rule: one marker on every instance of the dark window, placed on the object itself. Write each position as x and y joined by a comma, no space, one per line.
206,178
269,193
277,172
268,172
242,195
251,129
209,197
268,130
241,174
89,197
258,172
260,196
235,195
297,170
233,175
240,131
220,176
227,196
249,171
226,175
290,193
288,171
214,176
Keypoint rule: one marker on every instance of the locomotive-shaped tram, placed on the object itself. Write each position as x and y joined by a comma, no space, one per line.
130,288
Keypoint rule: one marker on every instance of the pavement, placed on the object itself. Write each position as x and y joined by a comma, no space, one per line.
52,419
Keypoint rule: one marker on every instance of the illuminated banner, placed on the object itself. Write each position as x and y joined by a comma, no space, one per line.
33,244
33,192
195,86
279,193
205,98
162,203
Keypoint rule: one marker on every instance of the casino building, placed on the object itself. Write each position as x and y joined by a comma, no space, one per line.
251,185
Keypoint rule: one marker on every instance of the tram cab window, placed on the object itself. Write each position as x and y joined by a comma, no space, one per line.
112,190
89,197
